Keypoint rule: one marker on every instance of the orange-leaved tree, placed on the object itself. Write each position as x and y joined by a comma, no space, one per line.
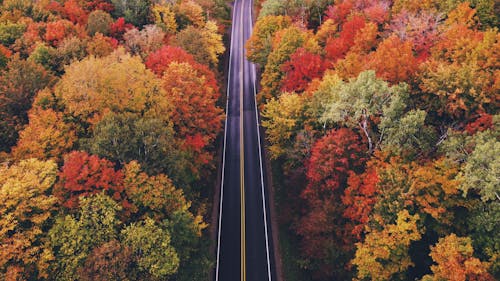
394,61
47,136
455,261
196,117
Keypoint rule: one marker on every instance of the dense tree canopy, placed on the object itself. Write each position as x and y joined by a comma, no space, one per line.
151,245
72,238
381,121
99,22
109,116
84,174
302,68
126,137
380,118
331,158
136,11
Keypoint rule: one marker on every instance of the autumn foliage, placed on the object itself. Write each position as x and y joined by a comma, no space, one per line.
70,10
337,47
302,68
109,116
195,117
84,174
359,198
46,136
159,61
454,260
394,61
27,202
331,158
382,121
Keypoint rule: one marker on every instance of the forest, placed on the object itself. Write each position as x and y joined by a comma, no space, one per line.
109,116
382,122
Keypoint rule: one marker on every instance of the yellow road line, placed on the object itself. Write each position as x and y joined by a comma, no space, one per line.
242,156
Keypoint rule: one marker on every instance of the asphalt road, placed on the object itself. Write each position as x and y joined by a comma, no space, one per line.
244,249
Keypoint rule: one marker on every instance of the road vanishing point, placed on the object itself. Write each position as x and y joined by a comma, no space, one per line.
244,244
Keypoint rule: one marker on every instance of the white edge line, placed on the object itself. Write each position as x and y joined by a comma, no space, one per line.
225,141
260,155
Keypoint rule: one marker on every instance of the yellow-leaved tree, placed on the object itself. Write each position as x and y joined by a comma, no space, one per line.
165,18
26,207
204,43
284,117
384,254
116,83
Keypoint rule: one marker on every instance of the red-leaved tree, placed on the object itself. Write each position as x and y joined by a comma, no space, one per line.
83,174
332,157
159,61
339,12
481,123
326,236
359,198
337,47
119,27
69,10
302,68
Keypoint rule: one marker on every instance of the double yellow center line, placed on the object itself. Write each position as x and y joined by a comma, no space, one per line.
242,154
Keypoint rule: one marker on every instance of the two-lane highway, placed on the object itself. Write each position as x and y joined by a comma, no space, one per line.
244,246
